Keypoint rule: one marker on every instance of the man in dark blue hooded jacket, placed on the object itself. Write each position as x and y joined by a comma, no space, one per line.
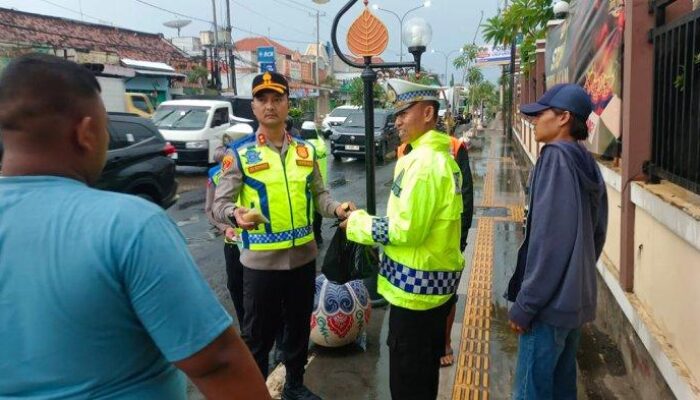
554,284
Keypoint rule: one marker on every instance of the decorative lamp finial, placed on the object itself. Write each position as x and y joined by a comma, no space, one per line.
367,36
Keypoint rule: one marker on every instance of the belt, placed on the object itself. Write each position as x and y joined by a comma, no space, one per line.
285,236
417,281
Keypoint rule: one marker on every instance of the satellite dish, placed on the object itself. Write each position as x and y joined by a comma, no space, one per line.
178,24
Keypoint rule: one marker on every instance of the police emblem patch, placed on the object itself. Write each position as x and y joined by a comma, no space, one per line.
227,163
396,186
252,156
302,151
390,95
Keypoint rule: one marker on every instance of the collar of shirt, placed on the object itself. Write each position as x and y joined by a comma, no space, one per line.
264,141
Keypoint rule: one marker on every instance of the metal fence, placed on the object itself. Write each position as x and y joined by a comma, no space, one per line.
676,103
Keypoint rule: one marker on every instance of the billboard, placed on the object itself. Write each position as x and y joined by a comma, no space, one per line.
266,59
488,56
587,49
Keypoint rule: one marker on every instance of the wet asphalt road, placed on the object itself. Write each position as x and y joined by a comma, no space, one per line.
346,180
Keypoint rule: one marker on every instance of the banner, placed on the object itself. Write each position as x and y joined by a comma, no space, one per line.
266,59
587,49
492,56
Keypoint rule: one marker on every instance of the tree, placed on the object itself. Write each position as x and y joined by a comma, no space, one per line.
466,58
526,17
356,91
198,75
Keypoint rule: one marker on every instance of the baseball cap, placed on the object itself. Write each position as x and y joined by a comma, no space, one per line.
270,81
564,96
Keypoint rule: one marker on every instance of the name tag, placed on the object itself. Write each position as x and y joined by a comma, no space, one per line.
258,168
305,163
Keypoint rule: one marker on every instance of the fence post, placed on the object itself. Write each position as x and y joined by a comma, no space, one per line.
636,122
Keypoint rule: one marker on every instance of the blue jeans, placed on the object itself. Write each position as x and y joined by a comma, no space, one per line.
546,366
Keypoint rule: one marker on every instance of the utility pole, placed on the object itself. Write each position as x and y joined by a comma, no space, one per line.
231,57
217,78
511,98
317,79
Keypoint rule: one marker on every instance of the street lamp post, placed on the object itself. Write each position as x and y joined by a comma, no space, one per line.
401,18
417,36
447,57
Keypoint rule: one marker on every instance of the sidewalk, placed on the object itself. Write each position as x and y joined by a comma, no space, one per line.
484,347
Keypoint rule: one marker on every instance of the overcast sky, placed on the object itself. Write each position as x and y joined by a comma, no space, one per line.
454,22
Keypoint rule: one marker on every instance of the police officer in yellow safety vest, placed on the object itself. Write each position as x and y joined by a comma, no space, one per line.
421,262
275,179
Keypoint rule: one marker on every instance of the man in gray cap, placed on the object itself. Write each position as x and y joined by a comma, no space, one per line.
554,284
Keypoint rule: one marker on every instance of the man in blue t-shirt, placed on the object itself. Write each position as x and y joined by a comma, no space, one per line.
99,296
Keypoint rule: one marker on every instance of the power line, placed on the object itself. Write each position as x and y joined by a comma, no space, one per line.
210,22
302,5
78,12
268,18
292,7
172,12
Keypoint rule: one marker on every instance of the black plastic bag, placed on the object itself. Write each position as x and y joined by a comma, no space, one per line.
348,261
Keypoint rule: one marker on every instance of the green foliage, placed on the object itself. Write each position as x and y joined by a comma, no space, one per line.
295,113
679,81
356,91
526,17
198,74
474,76
466,57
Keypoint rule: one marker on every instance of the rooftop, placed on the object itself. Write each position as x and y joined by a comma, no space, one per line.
19,27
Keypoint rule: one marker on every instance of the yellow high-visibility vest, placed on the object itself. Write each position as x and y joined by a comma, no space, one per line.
279,189
421,263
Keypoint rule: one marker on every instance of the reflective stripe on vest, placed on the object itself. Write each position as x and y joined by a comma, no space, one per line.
419,282
293,234
280,189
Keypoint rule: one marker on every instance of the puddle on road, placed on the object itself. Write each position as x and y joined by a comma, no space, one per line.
192,220
338,182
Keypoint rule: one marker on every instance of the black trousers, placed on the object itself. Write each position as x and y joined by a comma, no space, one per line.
416,343
234,279
273,299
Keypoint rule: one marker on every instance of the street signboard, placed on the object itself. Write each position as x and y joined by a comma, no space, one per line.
266,59
489,56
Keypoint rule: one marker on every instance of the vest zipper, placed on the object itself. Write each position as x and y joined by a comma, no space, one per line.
289,198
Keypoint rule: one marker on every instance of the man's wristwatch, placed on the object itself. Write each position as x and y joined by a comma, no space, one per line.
232,218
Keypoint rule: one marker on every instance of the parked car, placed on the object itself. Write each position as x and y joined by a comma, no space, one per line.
194,127
336,118
349,138
139,104
139,161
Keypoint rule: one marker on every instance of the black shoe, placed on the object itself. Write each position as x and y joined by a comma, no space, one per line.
299,392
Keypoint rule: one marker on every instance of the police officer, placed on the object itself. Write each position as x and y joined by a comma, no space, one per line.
421,262
275,178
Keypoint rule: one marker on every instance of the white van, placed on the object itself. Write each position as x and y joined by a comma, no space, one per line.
194,127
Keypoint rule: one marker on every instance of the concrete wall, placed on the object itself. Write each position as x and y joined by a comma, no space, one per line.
639,366
667,273
612,245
